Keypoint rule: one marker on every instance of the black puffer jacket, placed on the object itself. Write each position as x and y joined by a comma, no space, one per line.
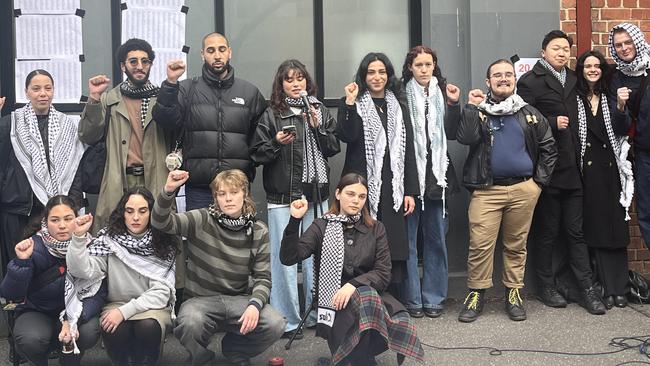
217,121
283,164
474,131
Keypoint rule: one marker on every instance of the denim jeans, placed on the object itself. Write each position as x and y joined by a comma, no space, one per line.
197,198
284,290
433,290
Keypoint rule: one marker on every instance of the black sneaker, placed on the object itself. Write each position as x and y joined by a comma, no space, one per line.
515,305
550,297
289,334
432,313
592,302
472,306
416,313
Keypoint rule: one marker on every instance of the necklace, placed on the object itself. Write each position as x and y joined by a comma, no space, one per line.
380,106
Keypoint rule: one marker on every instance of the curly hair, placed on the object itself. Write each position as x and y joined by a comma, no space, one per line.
407,74
134,44
165,246
277,95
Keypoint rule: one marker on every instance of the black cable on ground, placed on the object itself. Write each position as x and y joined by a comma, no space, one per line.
641,343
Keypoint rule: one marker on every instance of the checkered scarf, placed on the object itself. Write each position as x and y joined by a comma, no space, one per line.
620,147
65,151
245,221
331,262
641,62
375,140
144,92
313,163
398,330
507,107
559,75
57,248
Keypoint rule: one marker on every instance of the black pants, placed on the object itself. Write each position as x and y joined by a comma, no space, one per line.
559,209
134,342
611,269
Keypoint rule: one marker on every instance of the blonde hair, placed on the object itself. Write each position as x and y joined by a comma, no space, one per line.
234,178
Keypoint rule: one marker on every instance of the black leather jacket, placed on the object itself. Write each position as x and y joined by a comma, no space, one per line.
474,131
283,164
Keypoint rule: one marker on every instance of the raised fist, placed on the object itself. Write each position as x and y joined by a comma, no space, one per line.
351,92
476,96
175,68
97,85
25,248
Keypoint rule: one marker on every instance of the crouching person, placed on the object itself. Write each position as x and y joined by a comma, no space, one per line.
352,267
227,245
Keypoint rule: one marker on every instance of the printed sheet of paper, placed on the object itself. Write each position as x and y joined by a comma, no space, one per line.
161,28
47,6
66,74
159,4
48,36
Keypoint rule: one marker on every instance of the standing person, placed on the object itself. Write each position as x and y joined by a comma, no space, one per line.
40,155
607,191
629,100
215,115
357,316
228,247
550,87
294,150
511,156
379,136
136,145
138,263
435,115
44,292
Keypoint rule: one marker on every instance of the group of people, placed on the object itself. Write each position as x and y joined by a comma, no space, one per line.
549,151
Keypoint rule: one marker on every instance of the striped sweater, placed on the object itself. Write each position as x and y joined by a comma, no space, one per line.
220,261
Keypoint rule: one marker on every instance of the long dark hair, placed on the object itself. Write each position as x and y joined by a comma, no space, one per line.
164,245
346,180
277,95
392,83
34,225
407,75
582,87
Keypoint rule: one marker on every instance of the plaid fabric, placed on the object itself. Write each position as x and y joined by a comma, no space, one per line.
398,331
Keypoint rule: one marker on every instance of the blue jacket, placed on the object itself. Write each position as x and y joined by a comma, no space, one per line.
49,299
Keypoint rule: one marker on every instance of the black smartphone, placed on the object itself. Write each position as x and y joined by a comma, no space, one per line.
289,129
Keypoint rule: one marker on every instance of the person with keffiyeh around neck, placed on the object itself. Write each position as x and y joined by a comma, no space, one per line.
352,270
40,158
629,105
511,156
295,164
228,249
138,261
374,121
38,282
550,87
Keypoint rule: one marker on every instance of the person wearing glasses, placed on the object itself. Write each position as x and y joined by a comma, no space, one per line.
136,146
511,156
551,88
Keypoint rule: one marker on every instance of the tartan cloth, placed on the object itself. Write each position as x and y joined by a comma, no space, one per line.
398,331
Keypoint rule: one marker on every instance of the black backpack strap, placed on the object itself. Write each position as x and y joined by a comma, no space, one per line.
48,276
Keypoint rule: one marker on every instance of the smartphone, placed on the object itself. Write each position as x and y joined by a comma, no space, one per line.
289,129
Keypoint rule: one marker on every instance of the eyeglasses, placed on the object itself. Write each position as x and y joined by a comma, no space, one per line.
498,75
134,61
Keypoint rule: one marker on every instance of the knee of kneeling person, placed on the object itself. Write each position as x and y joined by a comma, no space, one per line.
32,342
89,333
273,320
190,317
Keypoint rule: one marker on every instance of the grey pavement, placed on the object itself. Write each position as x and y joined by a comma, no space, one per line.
566,330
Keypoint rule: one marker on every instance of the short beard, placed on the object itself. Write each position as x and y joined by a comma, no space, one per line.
220,71
137,83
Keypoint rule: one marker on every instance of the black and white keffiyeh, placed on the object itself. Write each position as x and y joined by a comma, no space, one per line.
506,107
375,140
144,92
417,101
641,62
559,75
65,151
331,262
313,163
57,248
620,145
245,221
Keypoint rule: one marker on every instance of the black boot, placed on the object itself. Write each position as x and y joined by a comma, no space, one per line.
473,306
550,297
515,305
592,302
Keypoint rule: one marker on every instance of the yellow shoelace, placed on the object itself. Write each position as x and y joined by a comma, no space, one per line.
473,302
513,297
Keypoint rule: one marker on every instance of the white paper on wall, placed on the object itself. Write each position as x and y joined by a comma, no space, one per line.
65,72
161,28
48,36
47,6
158,4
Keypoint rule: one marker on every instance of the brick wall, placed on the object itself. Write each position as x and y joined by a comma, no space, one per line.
604,15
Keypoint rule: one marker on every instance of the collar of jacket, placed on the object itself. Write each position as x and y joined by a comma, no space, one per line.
553,82
114,98
287,114
221,83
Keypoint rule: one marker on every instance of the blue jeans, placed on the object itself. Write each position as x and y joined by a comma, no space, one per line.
284,289
433,290
642,192
197,198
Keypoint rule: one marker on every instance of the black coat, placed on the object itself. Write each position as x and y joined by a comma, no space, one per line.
283,164
539,88
349,129
622,121
603,216
221,121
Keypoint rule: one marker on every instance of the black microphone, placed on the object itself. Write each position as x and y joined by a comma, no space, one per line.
305,100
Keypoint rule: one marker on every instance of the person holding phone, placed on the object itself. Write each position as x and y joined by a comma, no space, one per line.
293,140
